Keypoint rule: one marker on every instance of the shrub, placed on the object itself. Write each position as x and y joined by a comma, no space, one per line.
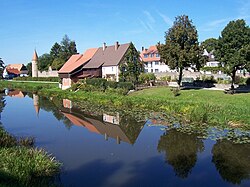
239,80
248,81
47,79
126,85
111,84
97,82
146,77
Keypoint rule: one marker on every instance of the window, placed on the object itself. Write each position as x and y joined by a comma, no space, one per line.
146,70
156,63
152,55
146,64
112,68
145,55
157,55
156,70
152,71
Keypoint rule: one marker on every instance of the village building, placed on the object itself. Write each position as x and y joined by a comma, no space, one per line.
102,62
152,61
14,70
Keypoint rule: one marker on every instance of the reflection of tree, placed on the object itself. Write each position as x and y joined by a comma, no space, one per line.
2,103
232,160
131,127
181,150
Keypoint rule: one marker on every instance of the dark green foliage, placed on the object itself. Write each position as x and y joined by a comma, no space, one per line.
68,48
44,61
131,67
248,81
210,44
111,84
212,69
234,47
57,63
55,51
181,48
126,85
2,66
97,82
29,68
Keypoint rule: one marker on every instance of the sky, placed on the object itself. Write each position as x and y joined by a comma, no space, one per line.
27,25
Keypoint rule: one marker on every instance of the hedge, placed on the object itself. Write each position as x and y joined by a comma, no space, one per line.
47,79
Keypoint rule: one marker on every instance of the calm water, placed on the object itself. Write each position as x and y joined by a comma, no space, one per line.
114,150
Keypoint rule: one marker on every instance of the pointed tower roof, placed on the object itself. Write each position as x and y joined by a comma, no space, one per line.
35,58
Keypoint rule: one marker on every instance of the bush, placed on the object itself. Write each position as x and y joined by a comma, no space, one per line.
126,85
166,78
111,84
47,79
97,82
146,77
239,80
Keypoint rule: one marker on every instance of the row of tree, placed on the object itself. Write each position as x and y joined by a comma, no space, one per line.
58,55
182,49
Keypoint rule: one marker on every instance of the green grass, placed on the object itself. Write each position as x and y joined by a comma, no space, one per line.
190,107
21,164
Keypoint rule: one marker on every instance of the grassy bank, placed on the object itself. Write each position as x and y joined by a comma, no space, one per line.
199,107
23,165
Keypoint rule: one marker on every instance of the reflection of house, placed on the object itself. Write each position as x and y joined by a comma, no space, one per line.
15,93
14,70
152,60
96,125
97,62
67,103
111,119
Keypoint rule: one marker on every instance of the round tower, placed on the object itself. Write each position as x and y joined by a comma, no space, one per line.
34,65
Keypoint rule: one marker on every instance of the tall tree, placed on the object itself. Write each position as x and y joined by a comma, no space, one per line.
234,46
68,48
132,67
55,51
181,48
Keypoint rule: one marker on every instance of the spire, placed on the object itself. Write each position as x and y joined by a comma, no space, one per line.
35,58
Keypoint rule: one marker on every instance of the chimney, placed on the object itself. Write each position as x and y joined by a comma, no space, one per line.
116,45
104,46
142,48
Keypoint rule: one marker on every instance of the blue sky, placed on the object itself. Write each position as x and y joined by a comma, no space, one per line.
26,25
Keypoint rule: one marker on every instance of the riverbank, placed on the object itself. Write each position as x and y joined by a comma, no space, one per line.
23,165
198,107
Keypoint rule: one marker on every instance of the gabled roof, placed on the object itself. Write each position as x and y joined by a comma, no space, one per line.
77,60
152,50
107,57
14,66
13,71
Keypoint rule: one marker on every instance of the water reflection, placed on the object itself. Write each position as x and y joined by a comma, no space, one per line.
232,160
124,129
15,93
181,150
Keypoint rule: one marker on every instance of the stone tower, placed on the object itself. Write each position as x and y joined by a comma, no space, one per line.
34,65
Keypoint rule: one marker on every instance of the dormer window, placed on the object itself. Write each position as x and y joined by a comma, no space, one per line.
152,55
145,55
157,55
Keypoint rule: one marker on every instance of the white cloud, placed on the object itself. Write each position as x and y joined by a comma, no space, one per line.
166,19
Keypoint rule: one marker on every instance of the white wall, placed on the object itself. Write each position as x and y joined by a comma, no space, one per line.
111,70
152,67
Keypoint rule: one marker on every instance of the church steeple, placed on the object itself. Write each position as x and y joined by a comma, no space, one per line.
34,65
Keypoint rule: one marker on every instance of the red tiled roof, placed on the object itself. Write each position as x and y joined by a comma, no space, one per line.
77,60
15,66
152,50
13,71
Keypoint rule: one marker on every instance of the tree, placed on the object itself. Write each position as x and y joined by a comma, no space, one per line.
2,66
57,63
55,51
132,67
181,48
44,61
234,46
68,48
29,68
210,44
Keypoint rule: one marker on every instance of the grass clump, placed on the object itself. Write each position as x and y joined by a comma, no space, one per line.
23,165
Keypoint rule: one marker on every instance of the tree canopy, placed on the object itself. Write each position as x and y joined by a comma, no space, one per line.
59,54
181,48
234,48
210,44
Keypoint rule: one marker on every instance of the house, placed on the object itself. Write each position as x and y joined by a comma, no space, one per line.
152,60
100,62
72,70
106,61
14,70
